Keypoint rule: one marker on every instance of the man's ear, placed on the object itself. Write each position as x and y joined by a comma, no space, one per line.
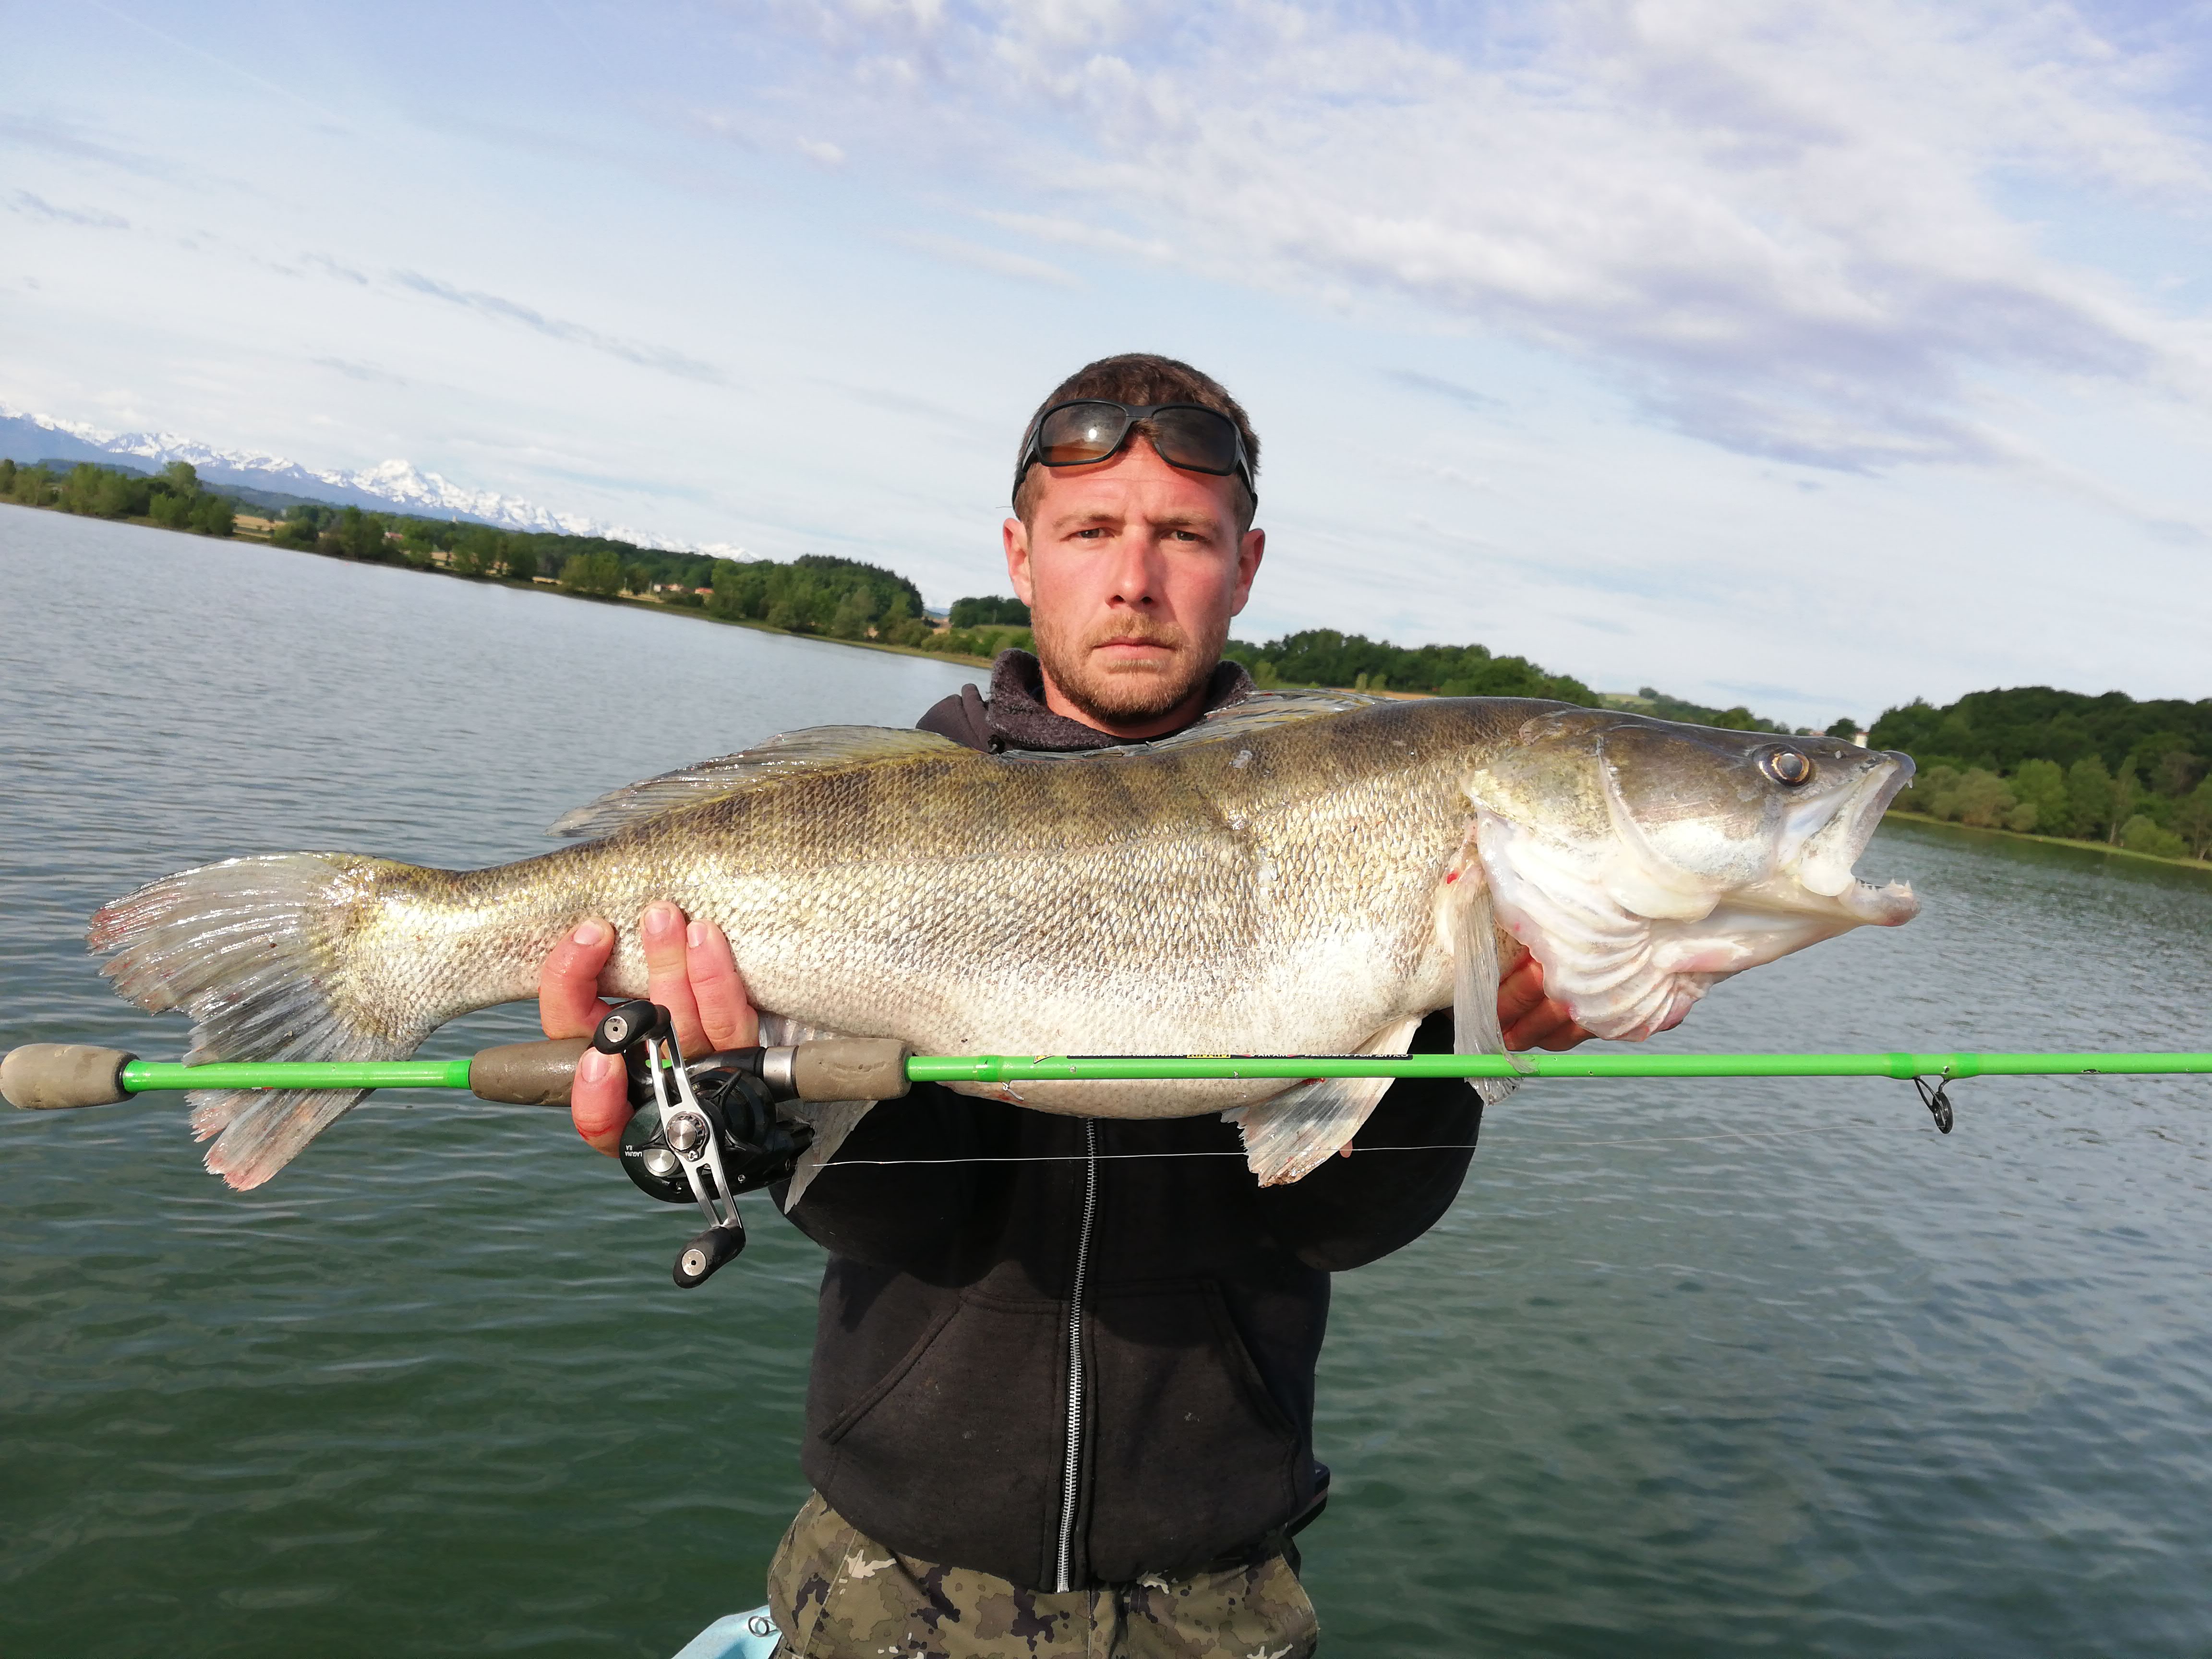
1251,548
1016,536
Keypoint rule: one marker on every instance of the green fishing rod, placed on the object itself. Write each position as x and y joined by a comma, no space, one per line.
538,1073
710,1129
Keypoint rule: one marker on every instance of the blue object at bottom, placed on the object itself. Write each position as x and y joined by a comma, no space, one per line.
734,1636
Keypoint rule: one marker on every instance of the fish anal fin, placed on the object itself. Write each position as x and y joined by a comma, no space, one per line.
815,749
832,1121
1295,1132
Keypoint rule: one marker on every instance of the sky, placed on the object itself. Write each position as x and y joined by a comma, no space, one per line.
1813,355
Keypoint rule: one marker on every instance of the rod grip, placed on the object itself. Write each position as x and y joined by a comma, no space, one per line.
526,1073
850,1068
42,1076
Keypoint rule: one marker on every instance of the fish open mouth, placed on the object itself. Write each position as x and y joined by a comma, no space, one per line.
1827,864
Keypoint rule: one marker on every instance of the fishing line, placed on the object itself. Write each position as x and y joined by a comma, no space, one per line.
1434,1147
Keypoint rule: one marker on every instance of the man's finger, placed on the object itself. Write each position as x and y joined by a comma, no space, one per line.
1567,1034
724,1010
598,1101
569,1003
666,981
1521,992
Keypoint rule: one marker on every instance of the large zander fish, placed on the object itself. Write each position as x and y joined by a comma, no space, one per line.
1298,874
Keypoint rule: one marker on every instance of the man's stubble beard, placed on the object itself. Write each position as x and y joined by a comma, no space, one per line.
1132,692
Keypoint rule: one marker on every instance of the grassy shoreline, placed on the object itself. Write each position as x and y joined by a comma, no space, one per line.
2200,866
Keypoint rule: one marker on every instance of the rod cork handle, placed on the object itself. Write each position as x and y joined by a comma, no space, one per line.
42,1077
850,1068
526,1073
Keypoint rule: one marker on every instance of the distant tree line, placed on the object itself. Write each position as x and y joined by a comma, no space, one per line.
2062,763
988,611
173,498
1322,656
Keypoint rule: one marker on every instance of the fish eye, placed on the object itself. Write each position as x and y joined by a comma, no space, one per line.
1787,767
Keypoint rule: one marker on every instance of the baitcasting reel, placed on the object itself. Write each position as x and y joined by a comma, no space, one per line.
703,1131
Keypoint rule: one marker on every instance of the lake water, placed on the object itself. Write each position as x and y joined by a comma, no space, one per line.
1695,1368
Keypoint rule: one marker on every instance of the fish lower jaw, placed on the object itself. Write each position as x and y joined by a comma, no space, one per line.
1891,905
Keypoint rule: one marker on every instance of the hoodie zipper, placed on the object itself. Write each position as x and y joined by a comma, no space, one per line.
1071,1471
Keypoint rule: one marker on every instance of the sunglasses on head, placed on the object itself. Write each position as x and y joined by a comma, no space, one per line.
1188,435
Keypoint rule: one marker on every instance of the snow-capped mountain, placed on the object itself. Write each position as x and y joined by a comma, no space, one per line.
397,483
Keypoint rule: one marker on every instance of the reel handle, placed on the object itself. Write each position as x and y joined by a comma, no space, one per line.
629,1025
709,1251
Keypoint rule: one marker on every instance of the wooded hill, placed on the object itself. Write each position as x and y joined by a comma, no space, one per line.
2063,764
1322,656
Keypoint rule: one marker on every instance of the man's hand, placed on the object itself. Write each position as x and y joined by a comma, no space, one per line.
689,971
1531,1019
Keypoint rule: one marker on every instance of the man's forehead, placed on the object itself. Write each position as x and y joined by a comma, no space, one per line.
1135,482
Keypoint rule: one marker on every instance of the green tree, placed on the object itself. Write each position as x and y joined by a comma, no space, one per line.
1846,728
214,515
521,562
975,612
597,574
2192,819
1927,786
180,478
2090,796
170,512
7,477
355,535
2040,787
2127,791
2175,770
1979,798
855,614
2140,834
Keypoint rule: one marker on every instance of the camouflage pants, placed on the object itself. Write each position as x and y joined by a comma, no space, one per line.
837,1595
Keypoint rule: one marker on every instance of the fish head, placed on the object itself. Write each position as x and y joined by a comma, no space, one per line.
1641,861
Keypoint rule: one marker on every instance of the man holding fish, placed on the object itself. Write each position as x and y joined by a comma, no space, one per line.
1062,1391
1063,1405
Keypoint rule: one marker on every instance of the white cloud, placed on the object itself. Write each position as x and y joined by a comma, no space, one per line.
1777,225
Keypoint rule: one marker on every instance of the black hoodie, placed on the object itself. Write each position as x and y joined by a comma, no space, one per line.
1074,1351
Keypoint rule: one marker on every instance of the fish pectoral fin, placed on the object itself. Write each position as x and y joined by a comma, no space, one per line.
1297,1131
816,749
1471,931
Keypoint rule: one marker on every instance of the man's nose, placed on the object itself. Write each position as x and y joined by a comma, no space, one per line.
1133,574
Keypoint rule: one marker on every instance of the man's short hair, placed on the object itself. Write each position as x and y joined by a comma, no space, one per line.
1140,378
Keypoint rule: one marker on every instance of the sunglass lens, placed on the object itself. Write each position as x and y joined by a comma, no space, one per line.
1201,439
1081,432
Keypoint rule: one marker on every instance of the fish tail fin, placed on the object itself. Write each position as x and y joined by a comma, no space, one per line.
264,954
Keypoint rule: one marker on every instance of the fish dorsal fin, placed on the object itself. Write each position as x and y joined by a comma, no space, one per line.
1256,713
816,749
